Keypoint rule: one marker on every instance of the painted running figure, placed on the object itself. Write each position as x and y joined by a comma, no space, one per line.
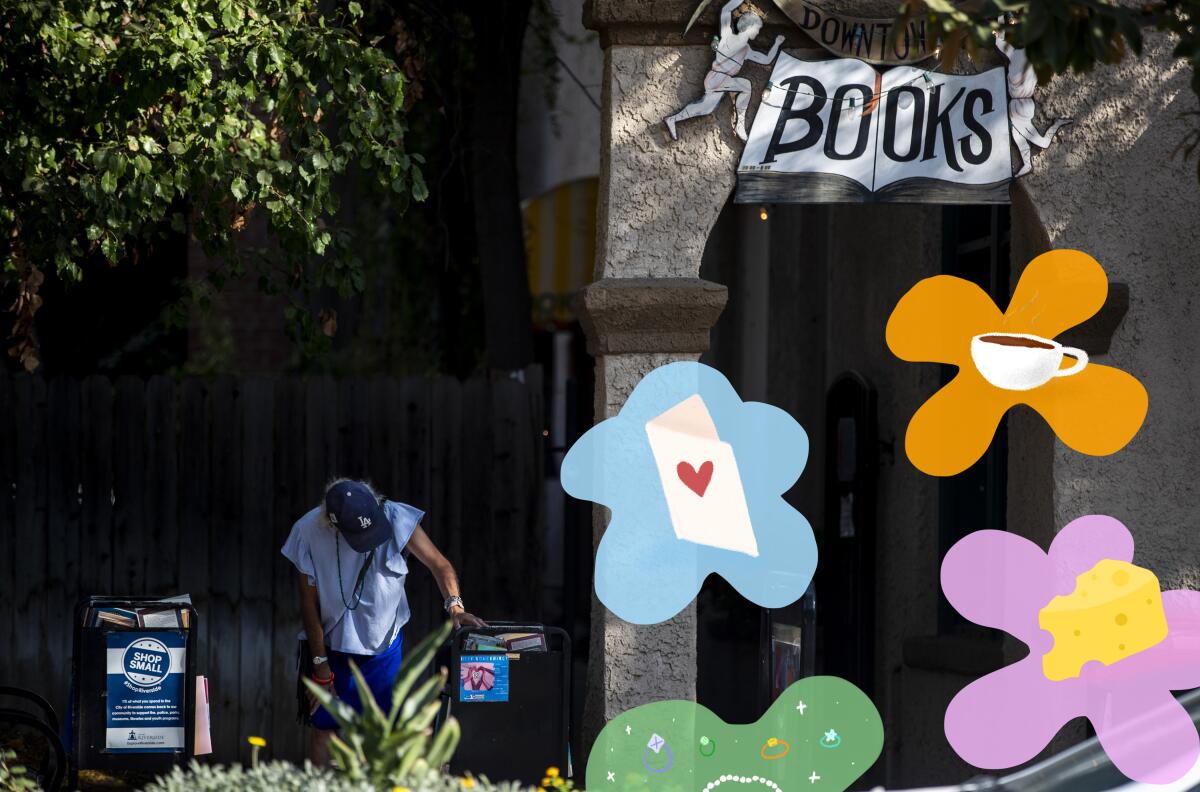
733,50
1022,82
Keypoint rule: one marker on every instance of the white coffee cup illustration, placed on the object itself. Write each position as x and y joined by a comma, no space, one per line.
1021,361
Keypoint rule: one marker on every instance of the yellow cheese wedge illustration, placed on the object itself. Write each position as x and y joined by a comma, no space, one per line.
1115,611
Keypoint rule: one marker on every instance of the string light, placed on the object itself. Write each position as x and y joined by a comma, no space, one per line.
762,212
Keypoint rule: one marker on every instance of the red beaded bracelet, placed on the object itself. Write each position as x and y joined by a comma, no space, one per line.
324,682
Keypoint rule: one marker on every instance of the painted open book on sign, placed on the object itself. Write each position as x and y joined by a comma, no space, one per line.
839,131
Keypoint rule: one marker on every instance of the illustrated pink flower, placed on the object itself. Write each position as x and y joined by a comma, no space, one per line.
1001,580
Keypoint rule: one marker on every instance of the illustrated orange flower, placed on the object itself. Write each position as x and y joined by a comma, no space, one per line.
1093,409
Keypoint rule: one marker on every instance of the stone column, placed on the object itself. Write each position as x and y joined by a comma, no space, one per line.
658,202
635,325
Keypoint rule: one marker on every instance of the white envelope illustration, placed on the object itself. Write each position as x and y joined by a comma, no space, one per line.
700,479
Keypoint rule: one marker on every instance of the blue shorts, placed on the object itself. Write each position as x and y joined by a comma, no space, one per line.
378,670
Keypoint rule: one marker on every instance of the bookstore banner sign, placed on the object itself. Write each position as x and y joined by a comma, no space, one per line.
840,131
145,709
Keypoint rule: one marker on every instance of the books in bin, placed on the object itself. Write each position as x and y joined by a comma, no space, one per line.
505,642
163,614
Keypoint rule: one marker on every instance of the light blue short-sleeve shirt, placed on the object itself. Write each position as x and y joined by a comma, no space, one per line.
314,547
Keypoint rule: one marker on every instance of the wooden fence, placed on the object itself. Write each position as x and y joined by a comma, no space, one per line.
165,487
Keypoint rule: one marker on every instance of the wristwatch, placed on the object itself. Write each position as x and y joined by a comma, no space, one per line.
319,660
451,602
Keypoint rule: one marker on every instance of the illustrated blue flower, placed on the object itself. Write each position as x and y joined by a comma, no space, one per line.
694,477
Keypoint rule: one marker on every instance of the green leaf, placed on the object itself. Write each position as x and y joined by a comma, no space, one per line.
320,243
415,664
68,269
444,743
419,191
127,80
366,697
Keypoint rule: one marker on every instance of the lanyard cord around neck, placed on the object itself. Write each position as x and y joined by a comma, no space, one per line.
356,595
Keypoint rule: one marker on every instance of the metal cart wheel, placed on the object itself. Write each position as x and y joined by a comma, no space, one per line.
54,767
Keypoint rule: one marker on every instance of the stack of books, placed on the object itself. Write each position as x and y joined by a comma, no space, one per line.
505,642
163,614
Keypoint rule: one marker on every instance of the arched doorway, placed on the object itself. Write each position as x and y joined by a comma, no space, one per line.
810,291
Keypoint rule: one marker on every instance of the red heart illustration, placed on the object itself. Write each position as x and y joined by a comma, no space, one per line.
695,480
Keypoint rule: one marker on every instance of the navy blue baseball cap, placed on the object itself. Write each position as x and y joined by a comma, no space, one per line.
358,514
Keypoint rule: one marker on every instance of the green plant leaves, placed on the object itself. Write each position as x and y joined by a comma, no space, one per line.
393,748
127,109
1058,35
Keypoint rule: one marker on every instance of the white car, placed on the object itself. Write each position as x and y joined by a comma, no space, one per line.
1081,768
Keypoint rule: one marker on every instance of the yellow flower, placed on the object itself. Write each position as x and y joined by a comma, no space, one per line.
400,789
257,741
1093,409
552,772
545,783
468,783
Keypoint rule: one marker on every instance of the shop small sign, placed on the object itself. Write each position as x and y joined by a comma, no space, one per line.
839,131
144,708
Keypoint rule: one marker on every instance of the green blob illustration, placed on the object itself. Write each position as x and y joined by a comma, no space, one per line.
821,734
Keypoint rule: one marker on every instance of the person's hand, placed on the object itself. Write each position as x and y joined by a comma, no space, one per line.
322,676
463,619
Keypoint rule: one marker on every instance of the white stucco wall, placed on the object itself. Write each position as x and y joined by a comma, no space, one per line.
1110,186
659,198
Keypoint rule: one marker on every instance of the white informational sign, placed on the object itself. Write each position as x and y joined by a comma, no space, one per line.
839,131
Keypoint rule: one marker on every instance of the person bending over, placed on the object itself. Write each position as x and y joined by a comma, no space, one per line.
349,554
